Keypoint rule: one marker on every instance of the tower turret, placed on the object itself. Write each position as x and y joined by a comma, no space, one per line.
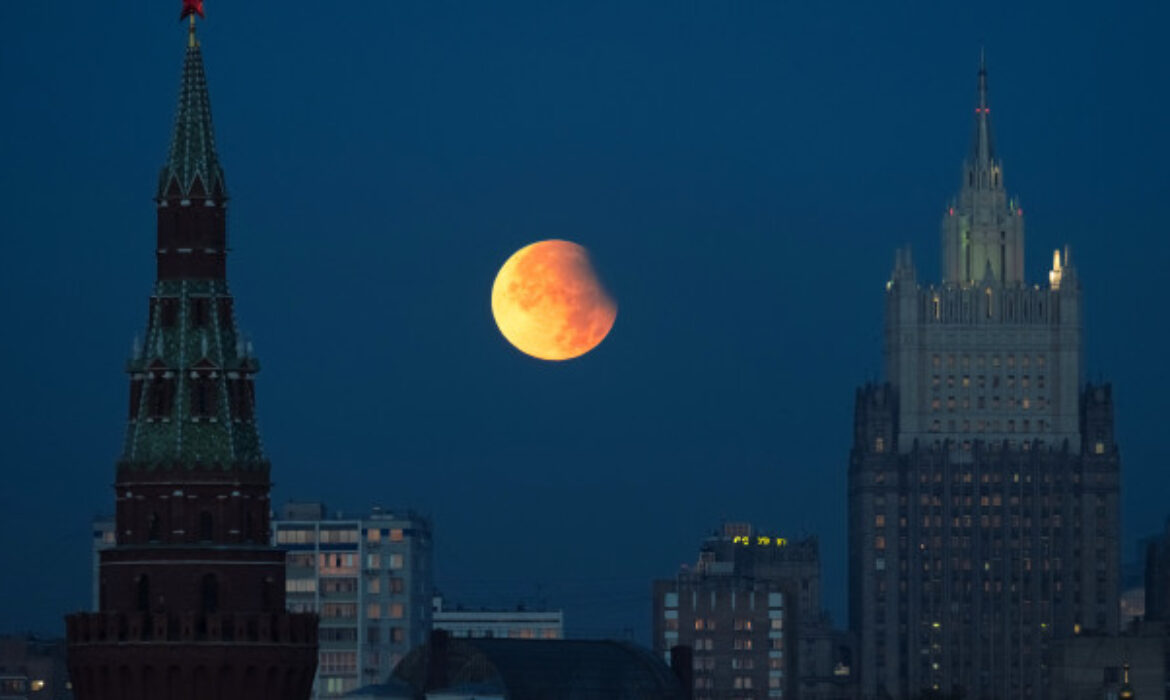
192,597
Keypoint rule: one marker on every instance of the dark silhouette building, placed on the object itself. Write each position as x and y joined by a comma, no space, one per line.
192,597
33,669
536,669
983,480
1157,576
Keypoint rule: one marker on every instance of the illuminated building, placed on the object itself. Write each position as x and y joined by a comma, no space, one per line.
191,596
369,580
33,669
520,623
983,482
750,609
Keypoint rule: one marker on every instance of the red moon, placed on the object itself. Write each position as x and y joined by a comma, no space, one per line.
548,302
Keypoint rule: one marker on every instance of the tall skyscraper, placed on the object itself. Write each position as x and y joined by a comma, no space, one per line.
191,597
983,481
369,578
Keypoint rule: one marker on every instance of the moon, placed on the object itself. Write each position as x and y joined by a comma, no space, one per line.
548,302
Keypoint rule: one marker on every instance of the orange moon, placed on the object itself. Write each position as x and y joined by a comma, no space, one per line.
548,302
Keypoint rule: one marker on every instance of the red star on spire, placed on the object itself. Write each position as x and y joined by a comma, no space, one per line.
191,7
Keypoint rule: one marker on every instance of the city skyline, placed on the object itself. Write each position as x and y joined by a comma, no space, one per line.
727,380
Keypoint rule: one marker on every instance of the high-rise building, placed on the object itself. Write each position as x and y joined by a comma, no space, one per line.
983,480
369,578
750,609
191,596
518,623
1157,577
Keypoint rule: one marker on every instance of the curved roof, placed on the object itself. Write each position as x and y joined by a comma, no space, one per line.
522,669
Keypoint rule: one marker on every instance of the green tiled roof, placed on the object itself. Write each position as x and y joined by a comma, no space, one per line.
216,352
192,156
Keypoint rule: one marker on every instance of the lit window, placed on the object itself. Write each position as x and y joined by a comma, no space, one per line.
397,610
396,561
373,611
396,534
373,535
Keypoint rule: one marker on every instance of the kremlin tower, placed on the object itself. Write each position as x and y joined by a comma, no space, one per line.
192,598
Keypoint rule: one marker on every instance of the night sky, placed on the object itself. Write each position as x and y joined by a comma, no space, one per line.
740,171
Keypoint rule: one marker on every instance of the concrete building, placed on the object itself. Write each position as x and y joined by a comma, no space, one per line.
520,623
751,611
190,596
368,577
983,481
103,538
33,669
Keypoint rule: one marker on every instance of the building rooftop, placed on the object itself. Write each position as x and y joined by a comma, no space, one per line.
522,669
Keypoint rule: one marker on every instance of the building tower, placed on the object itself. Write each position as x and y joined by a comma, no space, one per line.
192,597
983,483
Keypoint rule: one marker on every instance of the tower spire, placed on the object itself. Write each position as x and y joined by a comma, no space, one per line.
982,145
983,230
192,170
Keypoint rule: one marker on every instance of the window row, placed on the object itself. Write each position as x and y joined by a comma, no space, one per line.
1009,403
951,360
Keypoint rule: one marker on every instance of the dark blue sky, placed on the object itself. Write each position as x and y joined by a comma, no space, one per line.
740,171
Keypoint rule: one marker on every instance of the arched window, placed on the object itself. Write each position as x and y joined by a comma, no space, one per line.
143,593
210,594
206,527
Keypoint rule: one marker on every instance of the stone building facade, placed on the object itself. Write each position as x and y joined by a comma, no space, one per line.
191,596
750,609
983,480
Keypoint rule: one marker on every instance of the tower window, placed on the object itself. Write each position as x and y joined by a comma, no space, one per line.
161,397
143,593
199,315
168,311
203,398
206,527
210,594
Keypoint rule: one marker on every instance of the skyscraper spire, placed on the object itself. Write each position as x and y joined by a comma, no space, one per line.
983,230
982,144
